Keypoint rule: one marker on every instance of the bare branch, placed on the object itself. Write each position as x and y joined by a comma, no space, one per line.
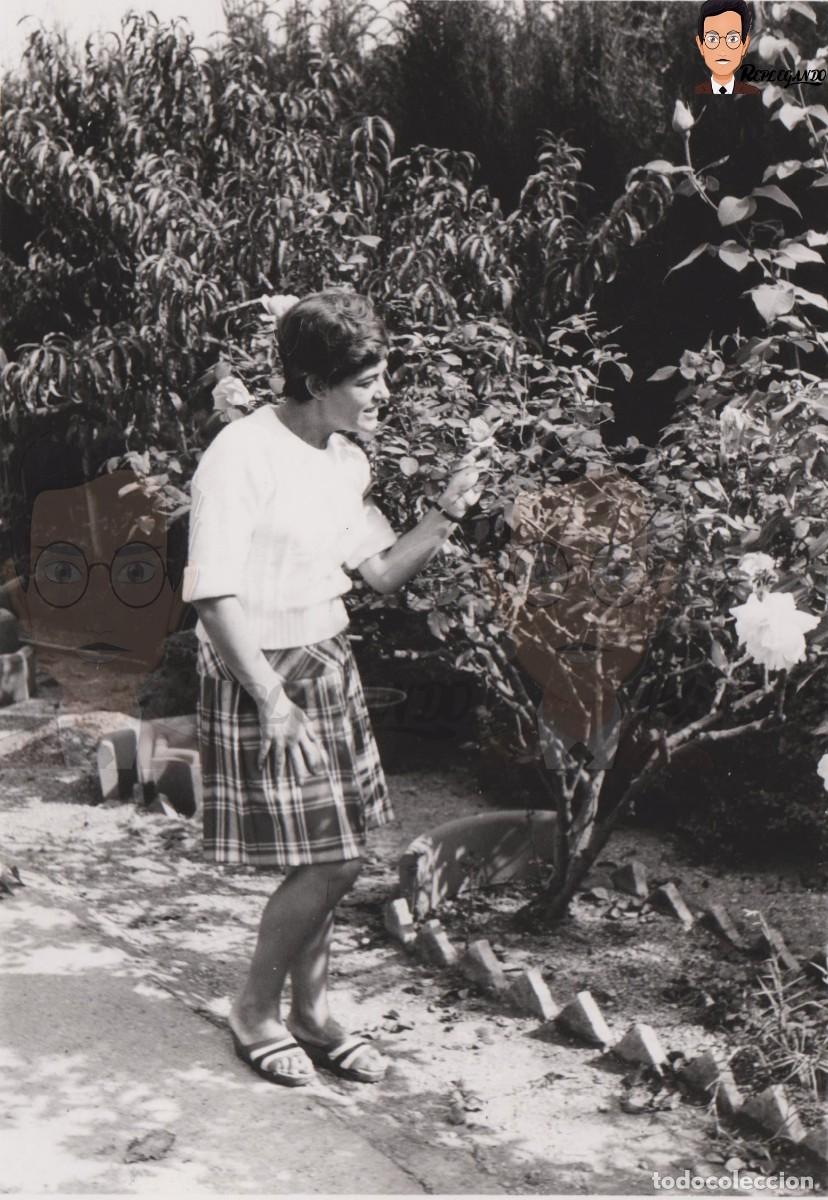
682,735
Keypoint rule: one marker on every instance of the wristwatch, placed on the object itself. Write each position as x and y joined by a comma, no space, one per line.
445,513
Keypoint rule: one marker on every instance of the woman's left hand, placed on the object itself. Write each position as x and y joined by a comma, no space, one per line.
461,492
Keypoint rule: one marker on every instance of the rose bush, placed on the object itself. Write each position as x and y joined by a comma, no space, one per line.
741,474
738,479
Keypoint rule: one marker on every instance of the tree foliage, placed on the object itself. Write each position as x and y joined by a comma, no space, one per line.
161,188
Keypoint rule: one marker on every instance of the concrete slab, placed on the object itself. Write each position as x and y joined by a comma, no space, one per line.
96,1057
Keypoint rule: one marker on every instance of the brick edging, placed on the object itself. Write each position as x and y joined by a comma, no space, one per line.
708,1074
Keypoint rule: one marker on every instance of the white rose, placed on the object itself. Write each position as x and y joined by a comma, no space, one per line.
756,564
773,629
822,770
277,306
230,393
683,119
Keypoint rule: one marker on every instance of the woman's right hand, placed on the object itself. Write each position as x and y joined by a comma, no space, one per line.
462,491
283,725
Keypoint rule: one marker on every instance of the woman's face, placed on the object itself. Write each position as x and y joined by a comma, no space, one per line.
352,405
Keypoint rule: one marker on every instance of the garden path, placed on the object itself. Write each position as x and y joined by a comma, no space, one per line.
123,914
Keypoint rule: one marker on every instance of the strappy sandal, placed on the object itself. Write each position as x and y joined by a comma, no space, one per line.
339,1058
260,1055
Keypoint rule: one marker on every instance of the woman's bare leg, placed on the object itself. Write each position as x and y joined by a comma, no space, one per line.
309,982
310,1015
291,923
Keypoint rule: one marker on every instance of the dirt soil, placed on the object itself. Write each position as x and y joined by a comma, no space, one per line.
470,1079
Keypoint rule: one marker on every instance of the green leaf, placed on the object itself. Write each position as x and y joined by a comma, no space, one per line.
661,373
769,48
772,300
368,239
479,430
800,253
711,488
812,298
790,114
755,348
663,166
820,181
772,191
734,256
819,111
691,257
818,545
782,169
735,208
717,654
439,624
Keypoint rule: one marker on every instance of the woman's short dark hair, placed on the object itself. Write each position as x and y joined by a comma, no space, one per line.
330,335
714,8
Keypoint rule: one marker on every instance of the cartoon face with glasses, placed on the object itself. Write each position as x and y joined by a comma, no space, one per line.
580,605
98,601
62,572
722,39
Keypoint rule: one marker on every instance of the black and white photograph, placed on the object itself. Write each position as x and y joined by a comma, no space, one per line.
414,597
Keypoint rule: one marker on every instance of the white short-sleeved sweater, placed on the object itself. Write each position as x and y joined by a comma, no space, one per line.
273,522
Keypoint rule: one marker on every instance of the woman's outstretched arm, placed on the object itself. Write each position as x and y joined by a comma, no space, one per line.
389,570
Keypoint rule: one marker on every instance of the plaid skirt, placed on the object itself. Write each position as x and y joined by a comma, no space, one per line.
272,817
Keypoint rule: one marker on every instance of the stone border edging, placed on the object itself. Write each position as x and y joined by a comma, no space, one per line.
708,1074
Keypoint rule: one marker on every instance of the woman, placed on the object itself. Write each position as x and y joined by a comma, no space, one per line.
291,773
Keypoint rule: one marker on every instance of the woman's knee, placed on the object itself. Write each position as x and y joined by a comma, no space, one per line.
341,875
346,872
